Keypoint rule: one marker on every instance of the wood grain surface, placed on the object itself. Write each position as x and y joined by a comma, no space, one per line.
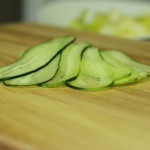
61,118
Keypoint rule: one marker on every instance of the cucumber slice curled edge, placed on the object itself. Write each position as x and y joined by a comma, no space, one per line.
138,72
125,59
35,58
119,69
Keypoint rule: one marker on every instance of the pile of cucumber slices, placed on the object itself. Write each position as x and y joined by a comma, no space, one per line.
77,64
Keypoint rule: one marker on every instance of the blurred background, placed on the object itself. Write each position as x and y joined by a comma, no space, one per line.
122,18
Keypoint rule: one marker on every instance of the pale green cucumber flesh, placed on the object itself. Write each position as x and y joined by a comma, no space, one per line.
119,69
94,74
35,58
129,79
39,76
137,72
69,64
125,59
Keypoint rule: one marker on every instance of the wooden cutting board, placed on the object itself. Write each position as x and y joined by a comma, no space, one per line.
62,118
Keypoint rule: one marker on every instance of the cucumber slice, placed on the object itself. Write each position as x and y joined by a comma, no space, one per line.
136,75
119,69
137,72
129,79
36,77
125,59
35,58
94,74
69,64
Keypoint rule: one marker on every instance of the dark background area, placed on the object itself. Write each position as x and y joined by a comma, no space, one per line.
10,11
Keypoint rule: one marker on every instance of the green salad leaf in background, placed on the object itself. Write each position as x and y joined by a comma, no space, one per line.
113,23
